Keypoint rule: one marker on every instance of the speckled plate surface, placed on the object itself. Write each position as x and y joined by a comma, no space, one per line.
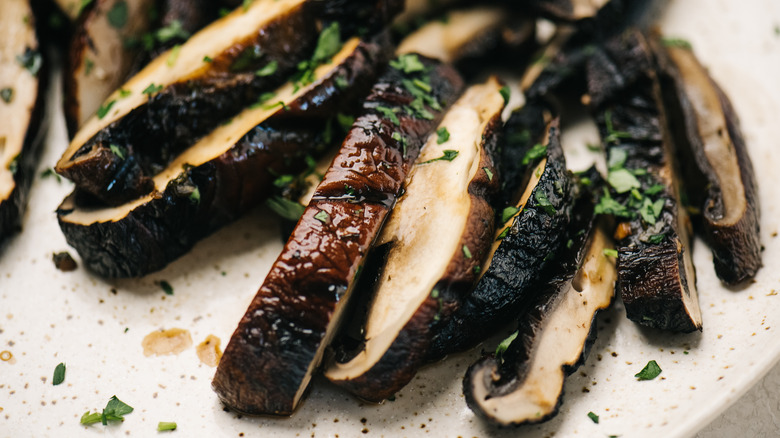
96,326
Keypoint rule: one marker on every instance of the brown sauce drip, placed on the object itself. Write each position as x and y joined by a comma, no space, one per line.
162,342
209,352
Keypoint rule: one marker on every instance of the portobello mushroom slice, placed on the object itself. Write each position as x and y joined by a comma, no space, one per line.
656,277
223,175
21,109
530,232
99,58
717,169
213,76
436,238
522,383
279,342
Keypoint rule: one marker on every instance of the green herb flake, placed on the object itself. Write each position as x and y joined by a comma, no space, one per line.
506,93
50,172
265,97
508,213
345,121
435,293
124,93
322,216
165,426
503,234
488,173
341,82
542,201
617,158
246,4
622,180
656,238
105,108
408,63
610,252
115,410
13,166
536,152
117,150
388,113
442,135
280,104
612,135
504,345
166,287
31,60
649,372
82,5
174,30
654,189
608,205
59,374
152,89
449,155
127,329
195,196
677,42
651,210
117,15
89,65
569,244
399,138
173,55
208,59
7,94
285,208
421,84
593,417
466,252
268,70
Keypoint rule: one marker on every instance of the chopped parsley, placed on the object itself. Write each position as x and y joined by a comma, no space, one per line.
117,15
503,234
115,410
31,60
649,372
247,58
328,44
488,173
388,113
268,70
173,55
322,216
59,374
152,89
650,211
612,135
542,201
285,208
608,205
265,97
408,63
166,425
50,172
341,82
449,155
442,135
274,105
509,212
656,238
105,108
504,345
117,150
505,92
166,287
466,252
610,252
13,166
195,196
345,121
593,417
171,31
88,66
677,42
7,94
399,138
622,180
246,4
208,59
536,152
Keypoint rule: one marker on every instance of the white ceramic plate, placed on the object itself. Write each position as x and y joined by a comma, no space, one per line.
96,326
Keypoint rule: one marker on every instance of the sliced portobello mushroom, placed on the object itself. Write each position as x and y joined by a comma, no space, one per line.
223,175
656,276
213,76
99,58
436,239
279,342
529,233
718,173
522,383
22,84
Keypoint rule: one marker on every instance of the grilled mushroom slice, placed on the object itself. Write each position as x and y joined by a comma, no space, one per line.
716,166
212,77
21,109
656,277
522,383
99,57
530,231
223,175
280,340
437,236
